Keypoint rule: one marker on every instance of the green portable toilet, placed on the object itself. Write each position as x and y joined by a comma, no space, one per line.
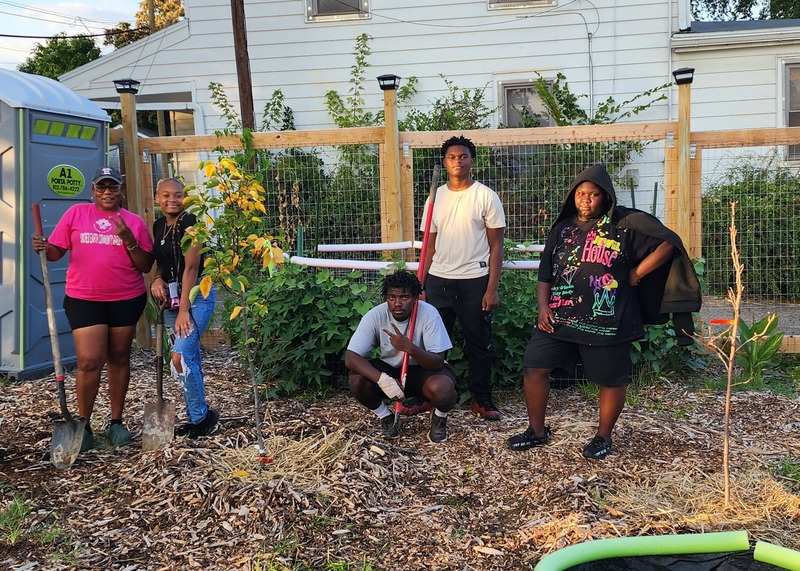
51,142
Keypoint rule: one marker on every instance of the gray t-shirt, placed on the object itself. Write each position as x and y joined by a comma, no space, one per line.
429,333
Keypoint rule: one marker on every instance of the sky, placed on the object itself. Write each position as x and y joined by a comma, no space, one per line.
48,17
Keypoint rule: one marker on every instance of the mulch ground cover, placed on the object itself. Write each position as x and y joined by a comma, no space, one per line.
335,495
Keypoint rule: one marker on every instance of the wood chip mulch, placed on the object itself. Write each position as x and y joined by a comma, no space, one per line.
336,495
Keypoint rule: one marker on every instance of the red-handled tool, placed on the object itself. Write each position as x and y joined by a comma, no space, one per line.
421,274
67,431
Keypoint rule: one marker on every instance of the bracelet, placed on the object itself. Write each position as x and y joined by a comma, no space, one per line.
134,247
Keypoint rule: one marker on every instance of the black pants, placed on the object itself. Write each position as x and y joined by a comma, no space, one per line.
462,299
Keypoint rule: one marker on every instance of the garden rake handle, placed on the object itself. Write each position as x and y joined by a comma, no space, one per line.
421,270
51,316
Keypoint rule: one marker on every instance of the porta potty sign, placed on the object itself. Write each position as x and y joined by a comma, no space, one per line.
65,180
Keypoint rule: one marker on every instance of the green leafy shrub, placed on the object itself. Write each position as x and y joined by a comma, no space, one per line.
658,351
759,345
300,341
769,224
512,323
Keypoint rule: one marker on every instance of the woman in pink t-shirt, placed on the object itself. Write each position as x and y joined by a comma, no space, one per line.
110,248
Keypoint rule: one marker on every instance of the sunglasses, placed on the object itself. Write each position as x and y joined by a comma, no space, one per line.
104,188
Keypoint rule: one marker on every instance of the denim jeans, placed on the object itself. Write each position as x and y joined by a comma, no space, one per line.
191,375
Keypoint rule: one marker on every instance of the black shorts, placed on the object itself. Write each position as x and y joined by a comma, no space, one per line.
416,375
85,313
606,365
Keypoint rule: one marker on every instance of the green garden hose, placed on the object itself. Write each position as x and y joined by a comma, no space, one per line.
778,556
641,546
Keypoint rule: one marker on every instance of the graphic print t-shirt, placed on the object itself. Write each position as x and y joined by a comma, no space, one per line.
587,265
168,252
99,266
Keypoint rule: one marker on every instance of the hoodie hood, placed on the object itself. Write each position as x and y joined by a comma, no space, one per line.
599,176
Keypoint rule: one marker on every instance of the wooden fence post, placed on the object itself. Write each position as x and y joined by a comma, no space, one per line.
671,184
695,245
143,331
392,223
133,190
130,138
684,211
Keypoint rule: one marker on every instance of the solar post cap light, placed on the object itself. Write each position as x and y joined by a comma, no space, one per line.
126,86
684,75
388,82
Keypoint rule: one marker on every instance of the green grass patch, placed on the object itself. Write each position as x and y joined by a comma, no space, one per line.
16,527
789,472
12,520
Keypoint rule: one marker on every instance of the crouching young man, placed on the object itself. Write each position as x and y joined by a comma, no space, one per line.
385,326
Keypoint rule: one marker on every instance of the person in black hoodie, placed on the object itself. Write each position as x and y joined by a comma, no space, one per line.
604,272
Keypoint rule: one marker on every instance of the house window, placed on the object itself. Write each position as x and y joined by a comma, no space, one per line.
793,106
503,4
522,106
331,10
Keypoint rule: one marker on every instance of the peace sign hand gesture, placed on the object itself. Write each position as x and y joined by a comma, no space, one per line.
399,341
124,232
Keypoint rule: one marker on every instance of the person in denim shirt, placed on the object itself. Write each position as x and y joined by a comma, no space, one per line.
178,272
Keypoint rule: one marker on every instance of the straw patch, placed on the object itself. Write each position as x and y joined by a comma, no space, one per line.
304,462
693,500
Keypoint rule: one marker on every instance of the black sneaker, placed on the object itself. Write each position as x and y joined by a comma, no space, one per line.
205,426
391,429
438,431
183,429
598,448
528,439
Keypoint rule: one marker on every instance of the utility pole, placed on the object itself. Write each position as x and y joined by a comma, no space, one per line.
242,64
160,120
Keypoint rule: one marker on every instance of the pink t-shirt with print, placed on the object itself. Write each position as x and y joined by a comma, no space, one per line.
99,266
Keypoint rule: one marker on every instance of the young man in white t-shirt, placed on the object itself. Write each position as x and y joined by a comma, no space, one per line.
464,258
384,327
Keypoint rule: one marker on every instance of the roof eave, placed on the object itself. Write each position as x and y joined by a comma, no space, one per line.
735,39
137,45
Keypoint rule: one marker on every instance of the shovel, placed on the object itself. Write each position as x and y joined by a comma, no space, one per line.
67,431
159,415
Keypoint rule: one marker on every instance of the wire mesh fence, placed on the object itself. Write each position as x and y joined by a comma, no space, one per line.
765,187
334,194
532,180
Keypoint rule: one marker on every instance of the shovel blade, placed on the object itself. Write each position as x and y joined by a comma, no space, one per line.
66,443
159,424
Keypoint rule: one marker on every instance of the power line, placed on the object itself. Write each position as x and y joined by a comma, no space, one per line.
72,22
51,12
109,33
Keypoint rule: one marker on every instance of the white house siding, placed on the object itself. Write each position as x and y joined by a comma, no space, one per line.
630,51
471,45
738,87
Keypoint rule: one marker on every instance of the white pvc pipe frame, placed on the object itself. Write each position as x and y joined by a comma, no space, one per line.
388,246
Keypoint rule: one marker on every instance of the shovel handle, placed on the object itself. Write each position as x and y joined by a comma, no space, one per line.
51,317
160,355
37,219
